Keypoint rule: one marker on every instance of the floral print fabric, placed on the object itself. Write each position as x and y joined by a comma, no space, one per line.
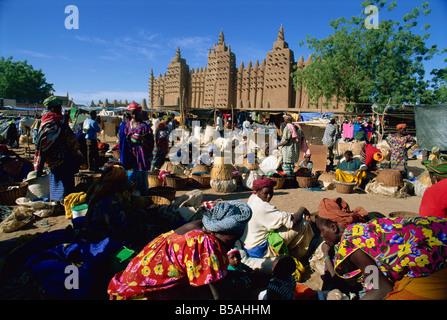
168,260
399,153
410,247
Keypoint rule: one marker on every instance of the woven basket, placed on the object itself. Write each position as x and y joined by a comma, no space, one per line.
86,178
154,181
305,182
279,182
177,182
390,178
222,172
201,168
159,200
173,168
223,186
250,166
202,180
344,187
167,192
9,197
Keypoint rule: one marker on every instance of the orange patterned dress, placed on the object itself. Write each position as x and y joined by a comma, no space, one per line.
196,258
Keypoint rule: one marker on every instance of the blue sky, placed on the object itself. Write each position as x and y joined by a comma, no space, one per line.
119,42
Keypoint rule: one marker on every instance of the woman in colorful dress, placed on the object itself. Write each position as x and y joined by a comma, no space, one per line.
179,262
141,144
57,146
290,143
399,148
161,145
410,253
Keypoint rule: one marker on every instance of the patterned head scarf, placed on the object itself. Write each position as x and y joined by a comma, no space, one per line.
52,102
337,210
401,126
134,106
231,216
437,166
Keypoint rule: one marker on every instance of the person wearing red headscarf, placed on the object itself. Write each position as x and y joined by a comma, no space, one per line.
394,252
271,232
400,143
141,144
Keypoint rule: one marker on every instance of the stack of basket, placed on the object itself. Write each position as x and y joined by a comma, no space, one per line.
390,178
222,176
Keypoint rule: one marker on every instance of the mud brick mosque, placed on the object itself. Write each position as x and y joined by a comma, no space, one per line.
221,85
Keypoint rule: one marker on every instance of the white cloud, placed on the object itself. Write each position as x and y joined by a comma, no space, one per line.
36,54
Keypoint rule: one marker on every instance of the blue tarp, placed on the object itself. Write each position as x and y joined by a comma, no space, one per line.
306,116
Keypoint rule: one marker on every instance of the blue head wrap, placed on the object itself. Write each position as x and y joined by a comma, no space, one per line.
230,216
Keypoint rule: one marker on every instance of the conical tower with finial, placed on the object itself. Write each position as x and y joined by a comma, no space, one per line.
220,81
278,88
177,79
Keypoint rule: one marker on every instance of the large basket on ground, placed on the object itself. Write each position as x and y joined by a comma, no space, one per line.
176,181
202,180
86,178
279,182
154,180
201,168
390,178
167,192
10,192
306,182
344,187
250,166
173,168
159,200
222,172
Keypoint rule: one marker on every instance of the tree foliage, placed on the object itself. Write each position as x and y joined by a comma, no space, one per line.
19,80
364,66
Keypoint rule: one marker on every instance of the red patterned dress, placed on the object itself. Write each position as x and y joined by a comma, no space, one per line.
196,258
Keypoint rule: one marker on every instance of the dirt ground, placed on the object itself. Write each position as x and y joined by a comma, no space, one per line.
288,200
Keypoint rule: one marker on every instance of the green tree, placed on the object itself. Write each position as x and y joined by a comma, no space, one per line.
19,80
364,66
